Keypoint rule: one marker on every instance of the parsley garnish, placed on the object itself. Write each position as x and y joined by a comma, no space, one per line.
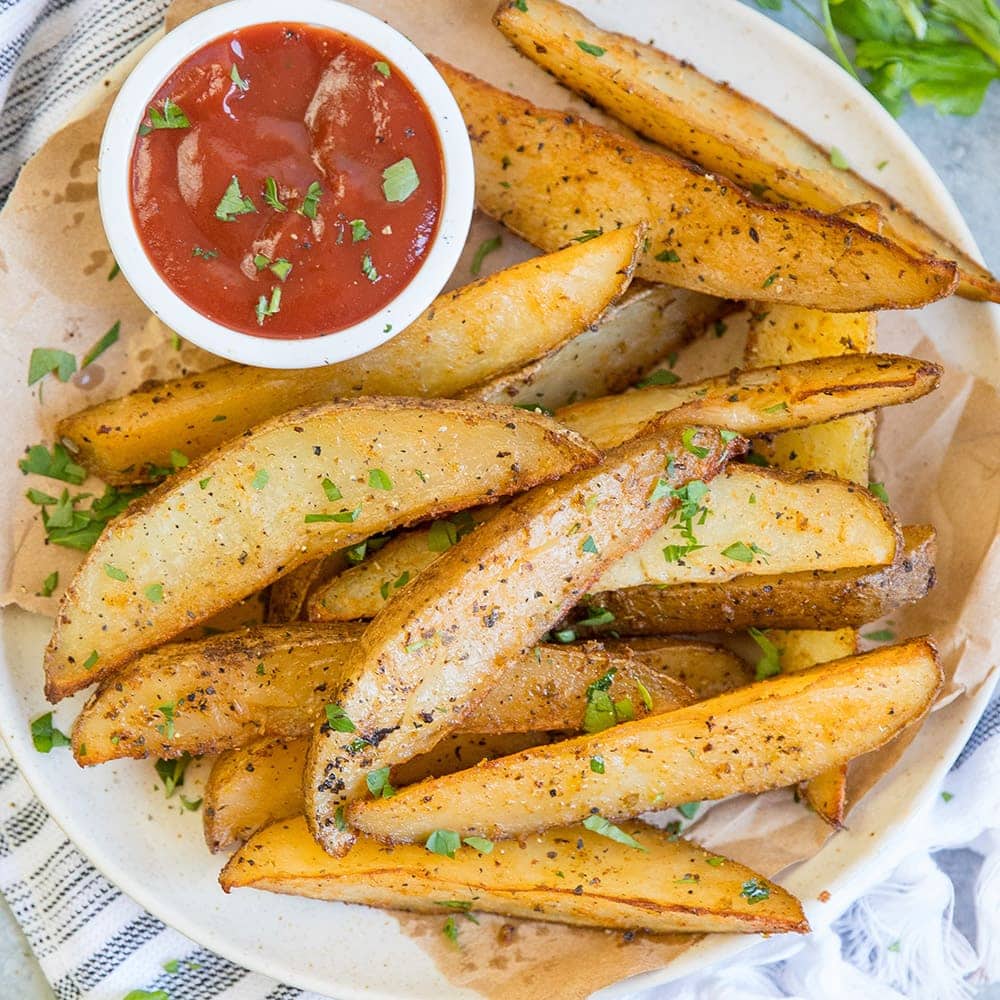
484,248
167,727
879,635
115,573
171,772
598,824
266,307
781,407
602,712
45,736
49,584
359,230
204,254
445,842
444,534
154,592
770,662
369,270
332,491
343,517
378,480
170,117
91,661
378,783
311,201
838,160
668,257
588,234
102,345
675,553
450,930
770,279
589,545
400,180
742,552
234,75
688,809
234,202
878,490
687,440
382,67
115,270
337,719
75,527
595,617
271,195
660,377
597,765
521,5
591,50
480,844
261,479
647,698
754,891
50,360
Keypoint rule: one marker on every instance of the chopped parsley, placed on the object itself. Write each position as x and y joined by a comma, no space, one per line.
382,67
947,796
268,307
332,491
50,360
596,823
770,662
178,459
76,527
154,592
668,257
204,254
590,546
234,202
368,269
601,711
45,736
444,534
115,270
596,617
660,377
166,728
49,584
647,698
234,75
484,248
879,635
770,279
91,661
754,891
597,764
589,48
102,345
171,772
311,201
689,809
400,180
741,552
480,844
378,783
445,842
675,553
588,234
271,195
878,490
687,440
838,160
261,479
343,517
338,720
450,930
170,117
378,480
359,230
115,573
781,407
521,5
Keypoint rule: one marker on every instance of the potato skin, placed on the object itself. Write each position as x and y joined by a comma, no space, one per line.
551,177
827,599
667,100
569,875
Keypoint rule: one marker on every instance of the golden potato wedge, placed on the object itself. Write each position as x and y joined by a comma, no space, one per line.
668,100
707,670
764,736
434,651
298,487
798,522
806,523
761,400
826,599
225,691
493,326
551,177
288,595
631,338
568,875
257,785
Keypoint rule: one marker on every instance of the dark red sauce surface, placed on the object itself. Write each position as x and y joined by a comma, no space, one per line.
304,105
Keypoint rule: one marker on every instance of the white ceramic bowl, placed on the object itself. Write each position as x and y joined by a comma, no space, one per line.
115,168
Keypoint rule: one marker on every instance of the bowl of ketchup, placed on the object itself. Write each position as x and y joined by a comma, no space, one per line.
285,192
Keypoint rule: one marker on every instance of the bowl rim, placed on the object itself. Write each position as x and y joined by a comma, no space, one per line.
114,185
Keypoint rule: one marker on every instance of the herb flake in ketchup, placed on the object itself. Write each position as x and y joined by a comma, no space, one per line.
287,181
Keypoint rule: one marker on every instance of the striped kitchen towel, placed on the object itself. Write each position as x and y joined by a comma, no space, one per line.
93,942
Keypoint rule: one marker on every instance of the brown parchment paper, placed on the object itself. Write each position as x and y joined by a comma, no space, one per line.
939,459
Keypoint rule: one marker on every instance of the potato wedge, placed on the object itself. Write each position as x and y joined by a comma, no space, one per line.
571,876
764,736
807,523
797,522
228,690
298,487
523,568
761,400
826,599
257,785
551,177
493,326
631,338
289,593
668,100
707,670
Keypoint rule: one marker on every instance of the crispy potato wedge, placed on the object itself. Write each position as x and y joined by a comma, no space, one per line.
228,690
668,100
521,570
633,336
800,522
761,400
551,177
826,599
493,326
571,876
258,506
707,670
803,523
288,595
764,736
257,785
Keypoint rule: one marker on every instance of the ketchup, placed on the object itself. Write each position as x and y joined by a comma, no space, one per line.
287,180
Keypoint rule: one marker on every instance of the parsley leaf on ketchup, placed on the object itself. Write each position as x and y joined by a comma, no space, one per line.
400,180
234,75
170,117
271,195
267,307
359,230
234,202
311,200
